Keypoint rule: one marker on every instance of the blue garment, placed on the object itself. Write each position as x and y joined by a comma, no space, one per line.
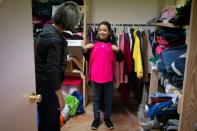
80,109
160,66
179,65
172,34
159,94
103,93
177,81
155,108
171,54
151,37
172,109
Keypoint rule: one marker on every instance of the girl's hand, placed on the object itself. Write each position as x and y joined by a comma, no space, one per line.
115,48
88,46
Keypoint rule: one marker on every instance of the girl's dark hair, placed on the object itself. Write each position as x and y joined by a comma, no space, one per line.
111,38
105,23
68,15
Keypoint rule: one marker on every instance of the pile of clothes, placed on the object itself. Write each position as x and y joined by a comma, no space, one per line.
174,15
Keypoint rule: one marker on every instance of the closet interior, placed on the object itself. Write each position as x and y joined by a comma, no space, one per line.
164,78
169,72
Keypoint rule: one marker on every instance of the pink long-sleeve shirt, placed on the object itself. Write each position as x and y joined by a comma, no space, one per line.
102,64
122,62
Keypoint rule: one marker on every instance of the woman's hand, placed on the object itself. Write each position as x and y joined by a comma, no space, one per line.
115,48
60,99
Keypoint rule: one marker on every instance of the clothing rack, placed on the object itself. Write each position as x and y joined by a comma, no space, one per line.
96,24
118,28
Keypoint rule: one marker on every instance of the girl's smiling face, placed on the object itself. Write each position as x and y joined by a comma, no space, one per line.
103,32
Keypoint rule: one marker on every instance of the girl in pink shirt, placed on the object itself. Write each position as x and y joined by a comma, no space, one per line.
102,72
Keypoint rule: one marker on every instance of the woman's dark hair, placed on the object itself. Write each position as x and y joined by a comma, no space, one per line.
68,15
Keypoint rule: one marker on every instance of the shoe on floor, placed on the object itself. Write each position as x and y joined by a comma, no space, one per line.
109,124
95,124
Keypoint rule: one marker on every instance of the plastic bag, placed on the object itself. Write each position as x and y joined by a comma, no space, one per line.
72,103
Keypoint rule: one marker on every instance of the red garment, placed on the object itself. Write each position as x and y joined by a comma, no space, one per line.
127,56
124,90
75,82
160,99
145,56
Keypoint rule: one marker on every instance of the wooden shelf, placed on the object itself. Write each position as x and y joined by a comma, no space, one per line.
73,64
74,42
180,103
153,83
169,25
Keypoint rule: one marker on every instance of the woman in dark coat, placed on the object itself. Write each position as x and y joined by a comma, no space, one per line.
50,64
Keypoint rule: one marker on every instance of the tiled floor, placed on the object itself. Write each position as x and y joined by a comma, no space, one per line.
124,118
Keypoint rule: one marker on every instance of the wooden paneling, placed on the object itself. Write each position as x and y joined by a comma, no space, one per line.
188,114
153,82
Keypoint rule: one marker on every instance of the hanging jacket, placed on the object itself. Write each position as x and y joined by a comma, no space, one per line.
137,56
122,62
127,55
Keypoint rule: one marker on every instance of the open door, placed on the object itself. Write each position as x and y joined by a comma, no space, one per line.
17,73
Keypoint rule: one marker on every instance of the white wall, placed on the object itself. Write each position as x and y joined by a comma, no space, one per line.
122,11
125,11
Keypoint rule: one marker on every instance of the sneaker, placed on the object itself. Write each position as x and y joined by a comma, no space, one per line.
109,124
95,124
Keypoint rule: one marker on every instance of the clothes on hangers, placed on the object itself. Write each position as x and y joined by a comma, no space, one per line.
131,41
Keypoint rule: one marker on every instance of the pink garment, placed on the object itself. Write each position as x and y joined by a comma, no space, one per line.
161,41
162,44
102,65
168,13
159,49
122,62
